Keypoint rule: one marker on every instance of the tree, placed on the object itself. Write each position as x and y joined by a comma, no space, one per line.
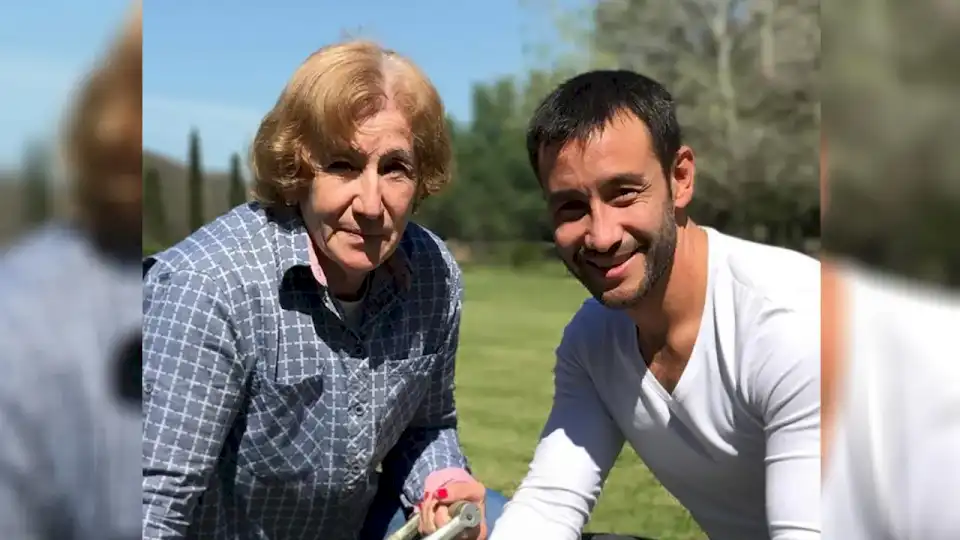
36,185
195,183
745,76
892,131
238,192
155,218
494,198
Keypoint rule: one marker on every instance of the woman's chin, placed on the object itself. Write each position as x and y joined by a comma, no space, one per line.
358,267
357,262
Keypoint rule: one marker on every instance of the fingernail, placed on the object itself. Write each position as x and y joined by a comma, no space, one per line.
442,493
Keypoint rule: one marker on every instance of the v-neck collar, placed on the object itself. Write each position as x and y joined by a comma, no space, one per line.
693,366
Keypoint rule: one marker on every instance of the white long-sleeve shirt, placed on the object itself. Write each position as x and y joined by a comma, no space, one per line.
737,442
893,471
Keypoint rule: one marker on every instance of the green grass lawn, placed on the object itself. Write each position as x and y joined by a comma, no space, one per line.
512,323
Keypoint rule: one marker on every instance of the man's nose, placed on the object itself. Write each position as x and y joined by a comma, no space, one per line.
604,233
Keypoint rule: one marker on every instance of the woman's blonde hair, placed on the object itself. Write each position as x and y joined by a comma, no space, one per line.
103,129
317,113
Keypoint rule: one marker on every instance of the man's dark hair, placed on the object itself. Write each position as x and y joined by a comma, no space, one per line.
585,104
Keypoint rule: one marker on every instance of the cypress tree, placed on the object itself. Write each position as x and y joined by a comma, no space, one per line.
36,185
195,183
238,192
155,217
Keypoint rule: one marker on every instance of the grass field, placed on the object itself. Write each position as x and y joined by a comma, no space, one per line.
512,323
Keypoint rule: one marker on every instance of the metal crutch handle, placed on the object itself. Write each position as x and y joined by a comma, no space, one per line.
463,515
409,529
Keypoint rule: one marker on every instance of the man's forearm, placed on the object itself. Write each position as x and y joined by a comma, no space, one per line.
579,444
562,486
544,514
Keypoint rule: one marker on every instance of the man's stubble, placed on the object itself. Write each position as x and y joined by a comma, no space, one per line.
658,260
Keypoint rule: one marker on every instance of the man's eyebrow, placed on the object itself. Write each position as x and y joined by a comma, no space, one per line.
564,195
625,179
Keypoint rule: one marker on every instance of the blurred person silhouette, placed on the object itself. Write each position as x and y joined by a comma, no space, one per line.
889,175
891,404
70,328
299,351
700,349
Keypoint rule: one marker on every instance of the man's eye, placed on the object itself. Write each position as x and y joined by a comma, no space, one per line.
571,211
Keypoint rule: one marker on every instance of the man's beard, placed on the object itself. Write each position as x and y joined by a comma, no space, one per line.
116,230
658,260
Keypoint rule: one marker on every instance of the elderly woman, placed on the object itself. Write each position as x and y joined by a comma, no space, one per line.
298,352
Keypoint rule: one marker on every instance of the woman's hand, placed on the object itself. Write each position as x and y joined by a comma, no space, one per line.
435,508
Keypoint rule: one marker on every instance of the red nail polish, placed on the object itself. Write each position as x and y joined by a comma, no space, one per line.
442,493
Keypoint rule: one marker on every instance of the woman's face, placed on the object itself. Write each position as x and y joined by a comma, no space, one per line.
359,202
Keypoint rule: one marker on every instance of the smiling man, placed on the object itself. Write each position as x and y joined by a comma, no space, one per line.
699,349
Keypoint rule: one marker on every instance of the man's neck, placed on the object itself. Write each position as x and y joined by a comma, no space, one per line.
668,319
833,333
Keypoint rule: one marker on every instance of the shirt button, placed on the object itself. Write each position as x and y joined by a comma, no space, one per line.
357,468
358,409
148,387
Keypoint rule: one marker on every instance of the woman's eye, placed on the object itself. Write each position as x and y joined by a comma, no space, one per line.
397,168
339,166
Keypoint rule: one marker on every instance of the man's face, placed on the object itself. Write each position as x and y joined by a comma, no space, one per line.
359,202
612,211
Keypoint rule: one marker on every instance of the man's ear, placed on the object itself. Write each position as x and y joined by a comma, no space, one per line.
682,179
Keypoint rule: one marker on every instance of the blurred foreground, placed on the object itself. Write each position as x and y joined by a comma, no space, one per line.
70,326
891,407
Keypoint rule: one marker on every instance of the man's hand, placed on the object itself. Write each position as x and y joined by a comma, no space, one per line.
435,508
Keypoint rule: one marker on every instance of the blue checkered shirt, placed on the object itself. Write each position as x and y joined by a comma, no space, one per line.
265,413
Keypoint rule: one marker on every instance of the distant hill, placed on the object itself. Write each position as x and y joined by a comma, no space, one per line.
11,205
173,179
173,182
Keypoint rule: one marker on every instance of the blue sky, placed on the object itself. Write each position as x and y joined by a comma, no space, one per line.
219,69
45,48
